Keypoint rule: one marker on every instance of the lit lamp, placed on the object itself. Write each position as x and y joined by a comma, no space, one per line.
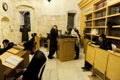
49,0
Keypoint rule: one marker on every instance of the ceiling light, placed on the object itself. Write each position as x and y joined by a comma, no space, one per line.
49,0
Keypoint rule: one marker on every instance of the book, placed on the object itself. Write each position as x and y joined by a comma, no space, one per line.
13,50
13,60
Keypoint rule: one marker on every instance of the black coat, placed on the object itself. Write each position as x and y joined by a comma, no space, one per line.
53,39
34,67
10,45
25,31
106,45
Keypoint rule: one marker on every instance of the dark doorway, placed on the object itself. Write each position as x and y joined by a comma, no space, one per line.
71,20
70,23
25,27
26,18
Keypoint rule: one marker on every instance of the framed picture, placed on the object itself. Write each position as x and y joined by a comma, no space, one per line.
5,6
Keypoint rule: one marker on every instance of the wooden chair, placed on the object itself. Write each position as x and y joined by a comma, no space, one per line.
41,72
39,75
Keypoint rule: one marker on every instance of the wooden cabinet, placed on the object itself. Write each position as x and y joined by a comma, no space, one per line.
101,59
90,54
105,64
100,16
113,67
66,49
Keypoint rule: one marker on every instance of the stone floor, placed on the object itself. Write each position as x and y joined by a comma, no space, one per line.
68,70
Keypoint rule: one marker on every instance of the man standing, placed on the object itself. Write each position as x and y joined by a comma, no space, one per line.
53,41
25,31
77,44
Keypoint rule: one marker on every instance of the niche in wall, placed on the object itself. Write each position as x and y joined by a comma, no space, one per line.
5,28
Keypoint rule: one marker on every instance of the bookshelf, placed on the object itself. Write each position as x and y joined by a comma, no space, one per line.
95,21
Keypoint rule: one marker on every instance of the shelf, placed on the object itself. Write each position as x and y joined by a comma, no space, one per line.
118,26
90,13
99,27
116,3
88,20
100,9
112,37
88,33
114,15
97,19
94,35
88,27
100,18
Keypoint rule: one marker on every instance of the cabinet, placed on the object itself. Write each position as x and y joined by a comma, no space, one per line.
66,49
90,54
113,67
100,62
100,16
106,64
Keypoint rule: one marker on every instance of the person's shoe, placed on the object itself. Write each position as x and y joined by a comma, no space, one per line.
76,58
83,68
50,57
88,69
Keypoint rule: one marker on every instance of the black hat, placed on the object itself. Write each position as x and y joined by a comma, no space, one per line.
33,34
29,45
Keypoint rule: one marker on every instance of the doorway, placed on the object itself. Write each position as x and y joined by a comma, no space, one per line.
70,22
25,19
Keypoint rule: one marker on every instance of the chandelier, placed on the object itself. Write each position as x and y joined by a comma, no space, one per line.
49,0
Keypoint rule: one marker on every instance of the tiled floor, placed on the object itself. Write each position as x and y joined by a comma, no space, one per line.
69,70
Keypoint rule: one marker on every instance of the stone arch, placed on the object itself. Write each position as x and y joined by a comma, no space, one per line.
5,19
20,19
72,11
5,27
26,6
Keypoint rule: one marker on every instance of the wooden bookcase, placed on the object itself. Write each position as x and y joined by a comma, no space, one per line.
95,16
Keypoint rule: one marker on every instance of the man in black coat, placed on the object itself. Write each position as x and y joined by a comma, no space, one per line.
53,41
24,31
102,43
6,45
38,60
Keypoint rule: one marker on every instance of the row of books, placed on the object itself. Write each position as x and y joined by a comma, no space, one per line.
88,24
100,23
114,32
100,5
87,30
101,14
114,10
89,17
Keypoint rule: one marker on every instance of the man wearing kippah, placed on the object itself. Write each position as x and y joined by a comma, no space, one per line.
38,60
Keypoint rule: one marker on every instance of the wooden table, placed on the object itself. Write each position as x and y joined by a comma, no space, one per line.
6,64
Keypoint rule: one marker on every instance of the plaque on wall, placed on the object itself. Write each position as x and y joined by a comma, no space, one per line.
5,6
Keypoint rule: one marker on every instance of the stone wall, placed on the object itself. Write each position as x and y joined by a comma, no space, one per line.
43,15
